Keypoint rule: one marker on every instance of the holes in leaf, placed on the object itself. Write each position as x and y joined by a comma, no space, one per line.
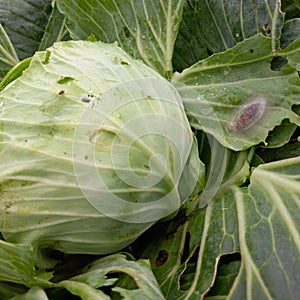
296,109
121,61
61,294
228,269
123,280
286,133
295,138
126,31
92,38
188,275
277,63
64,79
266,29
251,51
209,52
71,263
104,137
186,249
162,257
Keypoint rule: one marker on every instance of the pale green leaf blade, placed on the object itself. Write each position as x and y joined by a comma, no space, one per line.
44,202
185,257
145,29
269,226
84,291
233,170
44,210
217,91
9,290
261,222
213,26
35,293
14,72
281,134
95,276
16,264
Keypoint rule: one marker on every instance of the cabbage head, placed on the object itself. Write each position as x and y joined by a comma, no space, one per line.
95,147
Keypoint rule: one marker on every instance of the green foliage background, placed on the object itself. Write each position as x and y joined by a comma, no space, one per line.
242,241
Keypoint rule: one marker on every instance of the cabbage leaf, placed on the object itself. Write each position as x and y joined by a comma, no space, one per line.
93,148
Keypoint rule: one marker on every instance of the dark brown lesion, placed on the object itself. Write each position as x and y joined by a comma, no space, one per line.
248,115
162,257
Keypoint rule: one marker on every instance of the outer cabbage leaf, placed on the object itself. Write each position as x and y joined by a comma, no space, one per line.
25,21
34,293
260,222
18,273
8,55
91,141
240,95
269,226
56,29
214,26
185,255
17,266
145,29
94,276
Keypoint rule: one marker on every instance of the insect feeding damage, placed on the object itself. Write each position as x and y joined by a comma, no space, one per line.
248,114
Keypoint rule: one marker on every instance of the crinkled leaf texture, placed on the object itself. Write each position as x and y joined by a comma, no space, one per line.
93,146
